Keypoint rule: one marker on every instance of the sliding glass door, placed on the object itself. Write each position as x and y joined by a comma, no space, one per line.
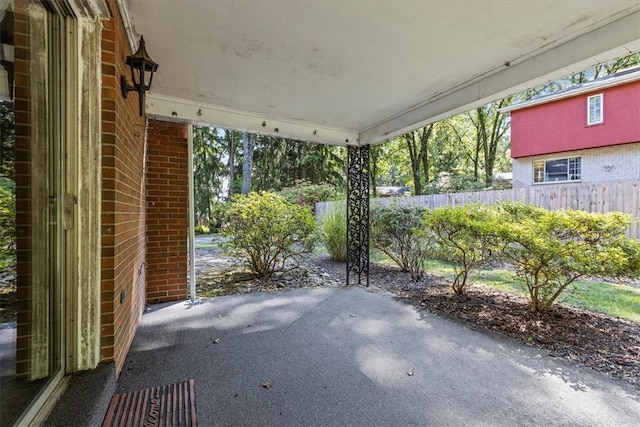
32,165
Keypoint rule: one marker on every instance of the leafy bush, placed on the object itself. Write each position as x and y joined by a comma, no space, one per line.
267,230
334,233
7,222
201,229
218,216
398,232
552,249
464,235
306,194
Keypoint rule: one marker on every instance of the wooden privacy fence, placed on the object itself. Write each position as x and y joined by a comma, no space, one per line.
605,197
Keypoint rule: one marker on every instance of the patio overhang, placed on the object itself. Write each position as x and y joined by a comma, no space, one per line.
358,73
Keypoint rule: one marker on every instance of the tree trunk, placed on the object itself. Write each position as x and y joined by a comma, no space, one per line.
231,163
415,163
374,155
247,161
498,129
481,139
418,155
424,150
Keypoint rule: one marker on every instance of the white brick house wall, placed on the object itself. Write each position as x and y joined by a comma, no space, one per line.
613,163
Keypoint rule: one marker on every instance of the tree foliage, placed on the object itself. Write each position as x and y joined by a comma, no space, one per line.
279,163
7,185
208,172
266,230
7,222
7,140
307,194
491,127
417,143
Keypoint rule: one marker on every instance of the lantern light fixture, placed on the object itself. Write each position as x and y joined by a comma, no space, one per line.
142,69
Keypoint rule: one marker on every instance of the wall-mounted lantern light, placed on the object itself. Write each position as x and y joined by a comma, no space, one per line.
142,69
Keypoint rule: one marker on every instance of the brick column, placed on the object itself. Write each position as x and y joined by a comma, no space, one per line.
123,238
167,210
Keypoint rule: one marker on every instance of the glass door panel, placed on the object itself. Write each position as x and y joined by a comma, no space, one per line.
31,242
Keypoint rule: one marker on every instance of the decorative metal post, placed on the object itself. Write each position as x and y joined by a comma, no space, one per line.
358,213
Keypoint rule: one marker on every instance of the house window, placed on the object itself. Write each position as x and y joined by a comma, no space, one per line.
557,170
595,109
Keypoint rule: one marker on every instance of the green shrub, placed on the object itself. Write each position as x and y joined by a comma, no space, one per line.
465,235
7,222
266,230
218,216
550,250
201,229
334,233
398,232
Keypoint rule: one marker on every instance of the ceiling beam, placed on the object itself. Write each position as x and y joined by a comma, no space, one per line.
173,109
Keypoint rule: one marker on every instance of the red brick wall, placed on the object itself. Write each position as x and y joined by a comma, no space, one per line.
167,192
123,199
22,110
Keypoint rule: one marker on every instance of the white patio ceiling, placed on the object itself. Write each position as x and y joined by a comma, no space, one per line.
363,71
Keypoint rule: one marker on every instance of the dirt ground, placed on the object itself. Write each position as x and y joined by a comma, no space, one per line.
604,343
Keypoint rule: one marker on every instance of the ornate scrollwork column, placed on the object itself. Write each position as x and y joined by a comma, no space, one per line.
358,214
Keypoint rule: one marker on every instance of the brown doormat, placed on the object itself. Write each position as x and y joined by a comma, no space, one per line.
165,406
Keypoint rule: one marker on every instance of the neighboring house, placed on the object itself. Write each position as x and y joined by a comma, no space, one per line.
393,191
589,133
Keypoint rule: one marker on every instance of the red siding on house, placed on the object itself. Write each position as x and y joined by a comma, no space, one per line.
561,125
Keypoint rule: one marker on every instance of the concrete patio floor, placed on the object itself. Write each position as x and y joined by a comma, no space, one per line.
341,357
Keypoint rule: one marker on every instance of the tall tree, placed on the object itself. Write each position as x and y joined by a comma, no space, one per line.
230,138
417,145
247,161
208,169
470,147
491,126
374,156
280,163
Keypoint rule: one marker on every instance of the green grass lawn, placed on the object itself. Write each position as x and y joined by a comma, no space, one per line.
210,245
212,241
609,298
